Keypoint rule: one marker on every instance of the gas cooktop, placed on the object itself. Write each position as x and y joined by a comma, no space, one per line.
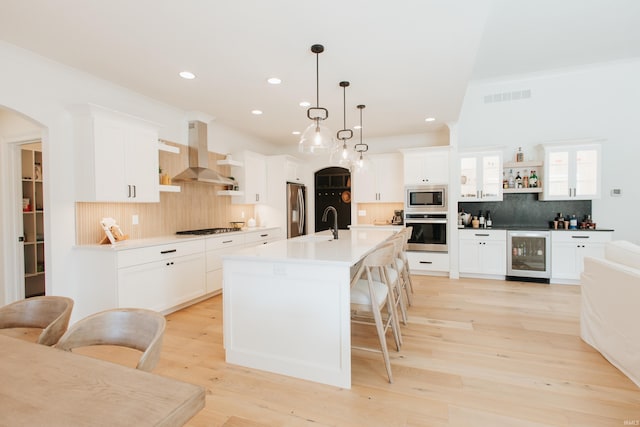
208,231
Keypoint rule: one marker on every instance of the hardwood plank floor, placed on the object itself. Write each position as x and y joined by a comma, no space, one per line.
476,353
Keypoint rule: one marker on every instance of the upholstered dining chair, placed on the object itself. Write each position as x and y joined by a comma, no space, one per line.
134,328
49,313
372,300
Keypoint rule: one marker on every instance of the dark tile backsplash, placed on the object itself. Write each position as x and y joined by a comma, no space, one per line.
526,210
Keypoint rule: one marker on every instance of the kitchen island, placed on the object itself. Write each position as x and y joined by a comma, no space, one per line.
287,304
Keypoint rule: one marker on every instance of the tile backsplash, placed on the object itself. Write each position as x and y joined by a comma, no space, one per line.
526,210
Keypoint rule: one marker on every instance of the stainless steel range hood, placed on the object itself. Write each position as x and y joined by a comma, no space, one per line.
198,170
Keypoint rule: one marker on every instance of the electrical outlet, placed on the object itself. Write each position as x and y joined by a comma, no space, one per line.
134,220
362,212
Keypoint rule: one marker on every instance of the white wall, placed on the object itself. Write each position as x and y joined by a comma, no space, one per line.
601,101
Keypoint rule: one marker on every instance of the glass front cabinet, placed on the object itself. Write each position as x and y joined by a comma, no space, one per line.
481,176
572,172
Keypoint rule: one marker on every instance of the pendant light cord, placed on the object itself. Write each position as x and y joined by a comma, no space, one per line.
317,80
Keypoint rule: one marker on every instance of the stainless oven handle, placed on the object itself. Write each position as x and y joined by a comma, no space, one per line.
426,221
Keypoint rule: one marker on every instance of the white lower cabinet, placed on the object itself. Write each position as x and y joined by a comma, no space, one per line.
568,249
159,277
428,262
163,284
483,251
216,247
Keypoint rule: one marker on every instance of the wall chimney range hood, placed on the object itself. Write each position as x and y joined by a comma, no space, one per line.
198,170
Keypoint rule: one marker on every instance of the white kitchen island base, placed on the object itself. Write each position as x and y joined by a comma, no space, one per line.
287,305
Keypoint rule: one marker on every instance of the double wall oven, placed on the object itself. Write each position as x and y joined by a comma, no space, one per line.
425,210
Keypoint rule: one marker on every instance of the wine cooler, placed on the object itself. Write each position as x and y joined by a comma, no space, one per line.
529,255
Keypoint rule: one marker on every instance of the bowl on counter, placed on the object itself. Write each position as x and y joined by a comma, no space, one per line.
237,225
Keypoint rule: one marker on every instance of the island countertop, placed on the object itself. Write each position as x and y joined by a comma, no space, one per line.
350,247
287,304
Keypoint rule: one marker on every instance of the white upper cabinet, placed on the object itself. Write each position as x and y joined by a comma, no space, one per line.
381,181
294,172
481,176
116,157
572,172
251,177
426,166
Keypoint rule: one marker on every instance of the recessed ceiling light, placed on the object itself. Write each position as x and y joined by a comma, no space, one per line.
274,80
256,112
187,75
305,104
295,132
430,119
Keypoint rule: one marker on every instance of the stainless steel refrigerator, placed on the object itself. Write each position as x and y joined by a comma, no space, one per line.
296,210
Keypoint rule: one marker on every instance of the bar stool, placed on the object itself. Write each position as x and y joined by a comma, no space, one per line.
369,297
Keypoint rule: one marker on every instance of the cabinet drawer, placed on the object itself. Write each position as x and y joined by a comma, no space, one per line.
226,241
429,261
263,236
483,234
573,236
129,257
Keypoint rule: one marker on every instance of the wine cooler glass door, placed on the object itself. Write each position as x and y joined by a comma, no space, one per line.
529,254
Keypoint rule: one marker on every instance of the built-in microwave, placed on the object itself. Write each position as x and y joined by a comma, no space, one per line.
425,198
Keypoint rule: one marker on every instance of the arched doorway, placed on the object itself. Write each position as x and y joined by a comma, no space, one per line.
333,188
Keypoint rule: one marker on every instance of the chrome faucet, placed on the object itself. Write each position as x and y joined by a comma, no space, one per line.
334,229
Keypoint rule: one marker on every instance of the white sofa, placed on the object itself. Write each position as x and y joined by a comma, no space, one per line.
610,315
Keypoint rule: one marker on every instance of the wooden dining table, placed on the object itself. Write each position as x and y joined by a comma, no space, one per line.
43,386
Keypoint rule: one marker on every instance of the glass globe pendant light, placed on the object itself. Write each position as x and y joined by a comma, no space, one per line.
316,138
340,154
361,163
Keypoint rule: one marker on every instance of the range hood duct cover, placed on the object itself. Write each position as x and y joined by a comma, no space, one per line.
198,170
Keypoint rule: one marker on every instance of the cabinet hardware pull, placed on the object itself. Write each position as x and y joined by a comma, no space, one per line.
426,262
134,191
580,237
168,251
263,235
481,235
227,241
129,187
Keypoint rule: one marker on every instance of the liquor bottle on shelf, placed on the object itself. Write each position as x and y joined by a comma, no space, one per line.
512,182
518,180
519,155
488,221
533,179
505,181
481,220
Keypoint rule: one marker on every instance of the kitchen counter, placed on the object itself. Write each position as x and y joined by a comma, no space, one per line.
165,240
529,228
287,304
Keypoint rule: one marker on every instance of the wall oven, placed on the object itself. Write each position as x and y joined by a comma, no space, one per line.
429,231
425,198
529,255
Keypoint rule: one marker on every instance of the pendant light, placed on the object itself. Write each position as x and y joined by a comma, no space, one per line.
340,154
316,138
361,163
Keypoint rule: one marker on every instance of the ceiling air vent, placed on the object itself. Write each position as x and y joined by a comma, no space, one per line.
507,96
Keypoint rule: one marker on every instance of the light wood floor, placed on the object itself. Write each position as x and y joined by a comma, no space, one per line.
476,353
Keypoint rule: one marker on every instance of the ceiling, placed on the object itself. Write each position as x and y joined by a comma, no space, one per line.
405,60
